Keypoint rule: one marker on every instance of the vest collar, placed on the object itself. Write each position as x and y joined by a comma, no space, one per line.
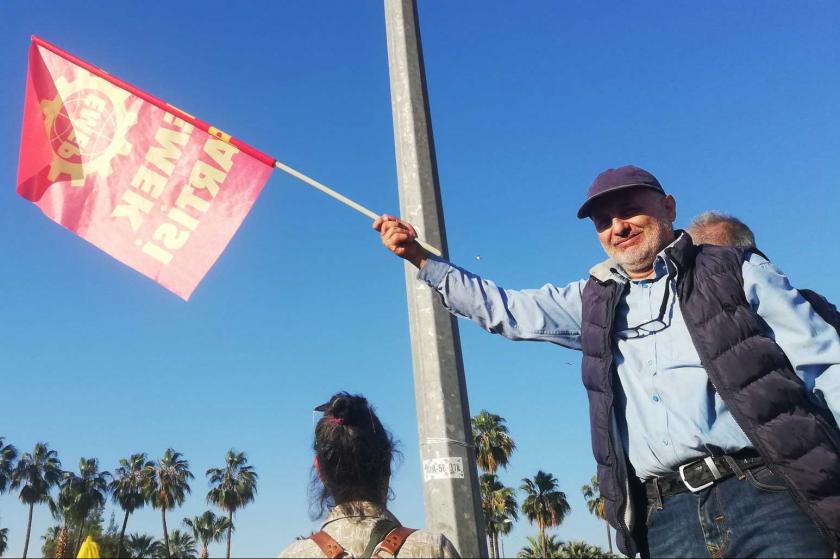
606,271
683,251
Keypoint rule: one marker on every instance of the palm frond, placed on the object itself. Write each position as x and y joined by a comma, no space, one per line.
492,441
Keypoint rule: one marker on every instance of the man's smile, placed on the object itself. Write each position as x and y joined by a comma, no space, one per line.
629,241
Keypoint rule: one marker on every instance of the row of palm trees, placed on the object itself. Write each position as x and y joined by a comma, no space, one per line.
203,530
138,481
544,504
181,545
556,549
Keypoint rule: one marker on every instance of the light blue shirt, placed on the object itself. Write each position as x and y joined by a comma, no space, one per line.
668,412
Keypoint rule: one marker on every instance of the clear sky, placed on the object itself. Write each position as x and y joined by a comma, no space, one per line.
734,106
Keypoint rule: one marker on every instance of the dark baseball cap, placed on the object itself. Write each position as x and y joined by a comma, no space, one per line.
613,180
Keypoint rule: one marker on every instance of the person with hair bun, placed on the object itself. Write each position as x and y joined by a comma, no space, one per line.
351,479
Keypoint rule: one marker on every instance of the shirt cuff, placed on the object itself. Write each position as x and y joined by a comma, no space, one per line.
434,271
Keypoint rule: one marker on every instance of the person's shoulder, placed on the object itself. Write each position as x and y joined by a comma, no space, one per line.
302,548
718,252
423,543
426,537
716,257
758,262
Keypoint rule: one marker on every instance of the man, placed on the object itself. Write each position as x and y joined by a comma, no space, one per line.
704,370
715,228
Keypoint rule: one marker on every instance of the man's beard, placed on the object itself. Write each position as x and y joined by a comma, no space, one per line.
639,258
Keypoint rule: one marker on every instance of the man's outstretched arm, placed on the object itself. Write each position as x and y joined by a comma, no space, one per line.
549,314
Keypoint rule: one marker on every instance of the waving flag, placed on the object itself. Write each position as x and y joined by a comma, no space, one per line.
154,187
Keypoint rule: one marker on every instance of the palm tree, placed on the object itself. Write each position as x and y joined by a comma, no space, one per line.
493,445
165,485
580,550
36,474
232,487
207,528
141,545
8,454
498,504
55,539
62,510
127,488
88,491
181,545
534,549
544,503
50,537
595,503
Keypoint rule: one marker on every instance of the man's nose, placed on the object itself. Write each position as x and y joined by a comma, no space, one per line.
620,227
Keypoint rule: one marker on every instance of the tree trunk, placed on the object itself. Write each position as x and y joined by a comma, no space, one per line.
165,533
61,542
543,540
79,539
609,539
496,545
204,552
230,531
28,529
490,546
122,535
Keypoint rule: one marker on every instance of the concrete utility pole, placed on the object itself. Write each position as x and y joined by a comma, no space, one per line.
450,490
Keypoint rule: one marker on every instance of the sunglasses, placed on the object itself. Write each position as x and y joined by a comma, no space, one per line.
651,326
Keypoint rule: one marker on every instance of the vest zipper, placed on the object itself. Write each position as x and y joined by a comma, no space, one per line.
628,500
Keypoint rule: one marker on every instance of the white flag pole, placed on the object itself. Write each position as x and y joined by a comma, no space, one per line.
343,199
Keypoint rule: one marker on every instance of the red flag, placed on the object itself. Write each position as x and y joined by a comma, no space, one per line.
152,186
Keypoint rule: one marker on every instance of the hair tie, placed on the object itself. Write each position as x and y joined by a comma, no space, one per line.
336,421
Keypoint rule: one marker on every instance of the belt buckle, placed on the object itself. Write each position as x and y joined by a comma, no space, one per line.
702,487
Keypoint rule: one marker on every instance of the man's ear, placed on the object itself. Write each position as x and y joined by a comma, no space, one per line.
670,207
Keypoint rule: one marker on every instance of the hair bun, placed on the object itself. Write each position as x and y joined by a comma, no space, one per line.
349,409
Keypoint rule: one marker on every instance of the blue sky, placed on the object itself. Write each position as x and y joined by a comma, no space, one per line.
733,106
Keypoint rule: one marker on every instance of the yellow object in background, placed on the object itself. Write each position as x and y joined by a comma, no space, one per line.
89,549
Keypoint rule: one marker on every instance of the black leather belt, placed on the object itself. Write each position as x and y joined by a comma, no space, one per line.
700,474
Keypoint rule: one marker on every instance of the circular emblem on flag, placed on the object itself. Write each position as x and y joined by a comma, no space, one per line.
87,125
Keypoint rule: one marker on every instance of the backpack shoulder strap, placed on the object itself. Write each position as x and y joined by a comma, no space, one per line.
381,528
395,540
331,548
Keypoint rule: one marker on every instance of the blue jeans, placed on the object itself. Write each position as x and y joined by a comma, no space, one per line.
755,517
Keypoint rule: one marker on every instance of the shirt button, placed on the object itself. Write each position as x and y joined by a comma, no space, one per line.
655,398
650,362
665,443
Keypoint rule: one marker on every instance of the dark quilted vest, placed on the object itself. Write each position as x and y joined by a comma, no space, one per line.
748,370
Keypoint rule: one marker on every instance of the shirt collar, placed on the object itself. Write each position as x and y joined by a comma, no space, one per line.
360,510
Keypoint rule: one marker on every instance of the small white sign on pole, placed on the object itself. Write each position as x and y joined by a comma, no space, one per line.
447,467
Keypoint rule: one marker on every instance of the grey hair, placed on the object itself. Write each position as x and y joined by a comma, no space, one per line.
717,228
